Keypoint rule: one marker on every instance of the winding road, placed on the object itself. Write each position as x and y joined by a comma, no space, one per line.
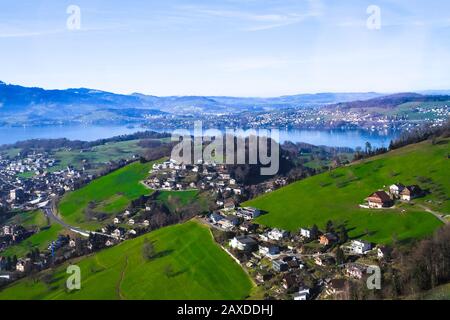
85,233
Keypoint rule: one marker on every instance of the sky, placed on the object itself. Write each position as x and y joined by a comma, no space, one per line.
228,47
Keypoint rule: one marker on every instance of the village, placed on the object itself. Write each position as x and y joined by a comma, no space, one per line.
303,265
30,181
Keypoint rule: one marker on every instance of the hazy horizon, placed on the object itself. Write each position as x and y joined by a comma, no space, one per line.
246,48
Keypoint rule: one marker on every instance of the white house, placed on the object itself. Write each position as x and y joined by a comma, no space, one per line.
360,246
302,294
306,233
396,189
276,234
243,243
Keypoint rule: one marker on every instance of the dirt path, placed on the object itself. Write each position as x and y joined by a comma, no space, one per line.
439,215
119,284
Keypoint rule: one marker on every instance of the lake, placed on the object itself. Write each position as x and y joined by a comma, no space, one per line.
335,138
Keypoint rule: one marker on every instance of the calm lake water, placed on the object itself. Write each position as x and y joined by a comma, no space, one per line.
335,138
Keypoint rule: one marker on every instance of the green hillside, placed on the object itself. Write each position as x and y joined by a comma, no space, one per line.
336,195
109,194
199,270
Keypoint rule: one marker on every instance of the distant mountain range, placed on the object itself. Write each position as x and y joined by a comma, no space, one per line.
24,105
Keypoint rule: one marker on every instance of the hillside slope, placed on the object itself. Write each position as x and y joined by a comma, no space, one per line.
336,195
200,270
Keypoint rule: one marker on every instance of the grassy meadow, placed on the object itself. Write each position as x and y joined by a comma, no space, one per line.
188,265
336,195
109,194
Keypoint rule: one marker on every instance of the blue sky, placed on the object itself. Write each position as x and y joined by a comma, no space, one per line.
227,47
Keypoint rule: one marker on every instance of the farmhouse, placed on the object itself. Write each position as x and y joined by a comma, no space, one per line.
410,192
379,199
396,189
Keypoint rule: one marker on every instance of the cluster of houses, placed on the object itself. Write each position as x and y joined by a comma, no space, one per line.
281,260
171,175
34,191
13,234
386,199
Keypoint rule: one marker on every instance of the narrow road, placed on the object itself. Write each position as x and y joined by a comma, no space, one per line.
85,233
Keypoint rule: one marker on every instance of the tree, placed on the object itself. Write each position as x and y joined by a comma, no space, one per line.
330,226
368,147
343,235
314,232
340,256
148,250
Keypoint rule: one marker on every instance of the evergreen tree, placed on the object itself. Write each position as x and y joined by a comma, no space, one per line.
340,256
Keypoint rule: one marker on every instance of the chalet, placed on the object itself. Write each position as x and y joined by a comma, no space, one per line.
360,246
146,223
410,192
379,199
131,222
243,243
328,238
396,189
116,221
